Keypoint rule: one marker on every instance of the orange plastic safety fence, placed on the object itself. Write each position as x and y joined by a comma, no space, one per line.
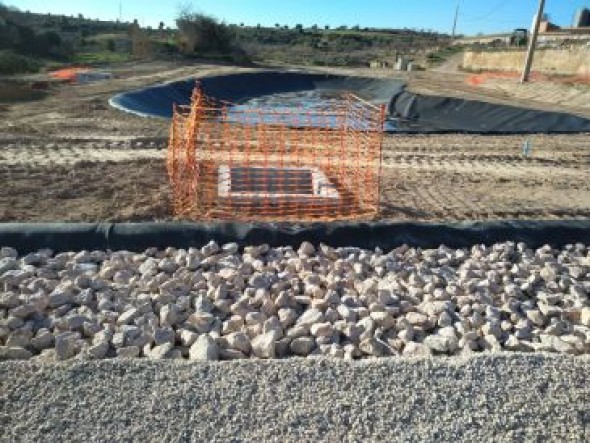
479,79
228,162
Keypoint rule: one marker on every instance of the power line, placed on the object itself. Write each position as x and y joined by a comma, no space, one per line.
531,51
456,17
489,14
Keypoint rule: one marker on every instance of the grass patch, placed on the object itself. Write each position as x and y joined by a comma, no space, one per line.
440,56
101,58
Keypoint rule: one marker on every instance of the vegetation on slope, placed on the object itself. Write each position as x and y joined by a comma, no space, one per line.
28,40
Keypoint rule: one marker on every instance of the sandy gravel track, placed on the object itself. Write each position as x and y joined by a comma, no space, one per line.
485,398
434,177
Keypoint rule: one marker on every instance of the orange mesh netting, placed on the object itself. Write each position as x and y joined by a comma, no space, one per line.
479,79
230,162
69,74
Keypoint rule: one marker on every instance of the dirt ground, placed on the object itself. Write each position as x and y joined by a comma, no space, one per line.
70,157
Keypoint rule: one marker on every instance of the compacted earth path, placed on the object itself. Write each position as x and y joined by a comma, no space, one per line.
424,177
492,397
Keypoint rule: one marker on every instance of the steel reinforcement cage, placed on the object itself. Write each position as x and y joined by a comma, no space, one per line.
232,162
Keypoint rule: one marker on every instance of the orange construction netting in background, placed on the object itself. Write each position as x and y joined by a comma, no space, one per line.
228,162
68,74
479,79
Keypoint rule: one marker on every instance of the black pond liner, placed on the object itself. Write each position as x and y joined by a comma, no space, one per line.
139,236
407,112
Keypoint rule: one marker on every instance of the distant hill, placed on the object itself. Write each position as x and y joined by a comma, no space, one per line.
76,38
342,46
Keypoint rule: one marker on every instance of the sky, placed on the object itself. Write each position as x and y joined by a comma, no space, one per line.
476,16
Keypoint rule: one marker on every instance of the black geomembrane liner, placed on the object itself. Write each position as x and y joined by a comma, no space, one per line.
406,112
29,237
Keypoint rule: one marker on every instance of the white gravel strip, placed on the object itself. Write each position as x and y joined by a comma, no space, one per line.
218,302
489,397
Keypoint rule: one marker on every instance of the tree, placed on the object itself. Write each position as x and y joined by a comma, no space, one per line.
327,27
202,33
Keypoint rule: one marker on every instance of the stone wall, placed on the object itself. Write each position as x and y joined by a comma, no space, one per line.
548,61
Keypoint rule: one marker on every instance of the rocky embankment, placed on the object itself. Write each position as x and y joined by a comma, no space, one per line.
223,303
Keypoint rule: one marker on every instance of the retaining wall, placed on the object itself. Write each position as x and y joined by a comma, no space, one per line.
574,61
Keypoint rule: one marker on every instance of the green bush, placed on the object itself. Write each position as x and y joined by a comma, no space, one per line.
204,34
11,63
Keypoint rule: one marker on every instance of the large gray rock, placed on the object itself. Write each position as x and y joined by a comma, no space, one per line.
492,328
8,252
374,347
416,319
201,321
439,344
204,349
59,298
585,317
239,341
231,354
413,349
8,264
187,338
536,317
20,338
66,345
302,346
557,344
306,249
128,316
128,352
161,352
9,300
23,311
169,315
321,329
99,350
14,353
163,336
310,316
43,340
263,346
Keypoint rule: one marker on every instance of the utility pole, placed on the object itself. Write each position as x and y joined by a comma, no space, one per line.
532,43
456,18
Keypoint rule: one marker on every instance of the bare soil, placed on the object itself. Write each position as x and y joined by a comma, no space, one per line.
70,157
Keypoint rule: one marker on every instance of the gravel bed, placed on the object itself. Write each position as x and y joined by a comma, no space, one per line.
485,397
223,303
